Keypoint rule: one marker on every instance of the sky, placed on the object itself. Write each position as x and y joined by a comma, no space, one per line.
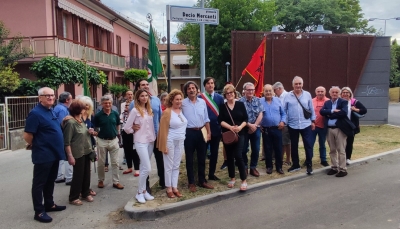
138,9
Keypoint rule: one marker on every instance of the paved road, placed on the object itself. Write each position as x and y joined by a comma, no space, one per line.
394,114
16,209
367,198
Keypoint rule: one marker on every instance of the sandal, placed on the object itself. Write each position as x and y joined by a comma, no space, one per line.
243,187
136,174
89,198
106,169
92,193
231,183
288,163
76,202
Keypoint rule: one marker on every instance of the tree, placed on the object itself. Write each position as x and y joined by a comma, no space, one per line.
133,74
251,15
394,65
9,80
10,50
339,16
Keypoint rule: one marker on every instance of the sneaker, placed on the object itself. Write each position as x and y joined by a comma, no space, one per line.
309,169
293,169
324,163
341,174
348,162
332,172
224,165
124,162
147,196
140,198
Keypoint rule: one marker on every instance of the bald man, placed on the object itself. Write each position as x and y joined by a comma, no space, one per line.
320,129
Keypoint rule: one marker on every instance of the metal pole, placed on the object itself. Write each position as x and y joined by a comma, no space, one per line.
202,52
384,31
168,51
227,73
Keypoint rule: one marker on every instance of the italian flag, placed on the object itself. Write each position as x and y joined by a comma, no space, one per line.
154,66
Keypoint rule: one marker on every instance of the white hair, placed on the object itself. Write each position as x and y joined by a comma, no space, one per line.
297,77
277,85
41,90
247,84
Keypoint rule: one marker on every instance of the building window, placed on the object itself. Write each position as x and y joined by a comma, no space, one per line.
133,49
118,44
64,24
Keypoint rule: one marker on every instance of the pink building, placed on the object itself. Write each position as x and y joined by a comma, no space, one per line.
77,29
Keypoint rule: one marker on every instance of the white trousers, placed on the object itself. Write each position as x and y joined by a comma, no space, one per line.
68,171
104,146
144,150
172,161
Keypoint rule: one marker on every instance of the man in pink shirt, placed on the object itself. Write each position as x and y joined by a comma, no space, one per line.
320,129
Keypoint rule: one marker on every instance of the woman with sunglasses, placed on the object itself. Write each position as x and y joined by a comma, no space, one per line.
144,138
171,137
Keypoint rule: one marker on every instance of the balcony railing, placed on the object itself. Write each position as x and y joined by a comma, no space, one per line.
136,62
53,46
185,73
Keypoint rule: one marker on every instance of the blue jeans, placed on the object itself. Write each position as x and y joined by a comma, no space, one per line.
321,132
306,135
255,148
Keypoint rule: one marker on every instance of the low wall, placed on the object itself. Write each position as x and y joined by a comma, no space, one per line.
16,139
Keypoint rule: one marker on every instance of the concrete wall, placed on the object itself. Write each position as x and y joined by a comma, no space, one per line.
16,140
373,88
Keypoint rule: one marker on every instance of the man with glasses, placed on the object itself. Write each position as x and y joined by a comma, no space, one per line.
320,129
255,111
61,111
44,136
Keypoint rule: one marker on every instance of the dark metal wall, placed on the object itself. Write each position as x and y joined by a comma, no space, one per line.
321,60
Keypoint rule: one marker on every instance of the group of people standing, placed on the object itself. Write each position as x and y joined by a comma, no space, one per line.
184,122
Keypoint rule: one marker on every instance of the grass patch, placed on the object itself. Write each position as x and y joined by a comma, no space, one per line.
372,140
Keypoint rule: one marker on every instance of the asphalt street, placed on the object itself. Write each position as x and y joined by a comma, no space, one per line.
394,114
367,198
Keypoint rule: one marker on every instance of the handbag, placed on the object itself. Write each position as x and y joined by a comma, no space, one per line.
357,115
229,137
307,113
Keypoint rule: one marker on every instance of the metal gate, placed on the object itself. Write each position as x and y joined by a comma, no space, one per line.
3,135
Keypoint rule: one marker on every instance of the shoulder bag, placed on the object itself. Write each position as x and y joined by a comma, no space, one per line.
229,137
306,112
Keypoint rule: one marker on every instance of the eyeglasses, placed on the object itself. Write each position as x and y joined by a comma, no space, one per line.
250,90
180,117
345,92
48,96
229,93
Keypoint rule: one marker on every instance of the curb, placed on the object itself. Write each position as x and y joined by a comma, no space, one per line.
143,213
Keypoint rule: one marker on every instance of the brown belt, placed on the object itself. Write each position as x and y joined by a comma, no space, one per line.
195,128
107,138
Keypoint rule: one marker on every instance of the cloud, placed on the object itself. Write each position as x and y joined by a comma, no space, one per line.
383,9
138,9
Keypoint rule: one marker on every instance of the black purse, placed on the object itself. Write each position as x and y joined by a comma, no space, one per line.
307,113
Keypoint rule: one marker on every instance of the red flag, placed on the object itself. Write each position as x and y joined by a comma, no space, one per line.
256,68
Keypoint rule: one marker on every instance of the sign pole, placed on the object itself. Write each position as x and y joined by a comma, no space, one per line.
168,50
202,53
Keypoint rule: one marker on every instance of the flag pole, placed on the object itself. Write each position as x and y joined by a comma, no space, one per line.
238,82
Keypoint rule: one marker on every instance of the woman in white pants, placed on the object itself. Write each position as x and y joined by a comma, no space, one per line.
144,138
171,136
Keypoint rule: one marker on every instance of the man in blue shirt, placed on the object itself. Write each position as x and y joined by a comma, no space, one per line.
255,111
272,124
43,133
195,111
298,124
213,101
156,107
61,111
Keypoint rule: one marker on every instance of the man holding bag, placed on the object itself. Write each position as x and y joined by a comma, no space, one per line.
301,121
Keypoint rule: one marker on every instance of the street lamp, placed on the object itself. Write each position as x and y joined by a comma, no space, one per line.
227,71
384,19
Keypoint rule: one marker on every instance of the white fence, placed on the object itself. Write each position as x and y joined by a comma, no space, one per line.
3,135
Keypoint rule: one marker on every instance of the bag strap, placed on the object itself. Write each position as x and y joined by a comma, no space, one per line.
227,108
299,101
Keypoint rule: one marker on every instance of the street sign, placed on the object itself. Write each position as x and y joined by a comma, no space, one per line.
193,15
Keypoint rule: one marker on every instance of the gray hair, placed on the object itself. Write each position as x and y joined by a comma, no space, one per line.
87,101
247,84
106,98
62,98
277,85
334,87
41,90
164,94
297,77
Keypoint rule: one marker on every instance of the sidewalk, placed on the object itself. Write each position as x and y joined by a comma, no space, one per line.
16,202
148,212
